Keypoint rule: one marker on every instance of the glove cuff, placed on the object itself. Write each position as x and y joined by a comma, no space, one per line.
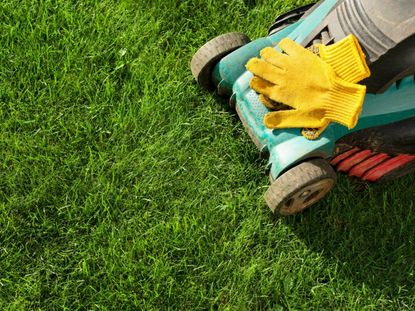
344,102
346,58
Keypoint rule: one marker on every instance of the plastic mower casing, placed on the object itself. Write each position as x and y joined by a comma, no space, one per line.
382,144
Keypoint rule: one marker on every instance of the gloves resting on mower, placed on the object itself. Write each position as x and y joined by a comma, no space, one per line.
345,57
319,89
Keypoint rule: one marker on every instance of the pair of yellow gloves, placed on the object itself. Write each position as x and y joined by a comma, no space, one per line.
320,86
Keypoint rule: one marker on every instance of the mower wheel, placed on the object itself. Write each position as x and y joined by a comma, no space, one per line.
209,54
300,187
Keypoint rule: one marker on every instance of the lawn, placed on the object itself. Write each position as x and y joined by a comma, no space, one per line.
124,186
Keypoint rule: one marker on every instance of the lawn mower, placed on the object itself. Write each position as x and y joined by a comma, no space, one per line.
380,147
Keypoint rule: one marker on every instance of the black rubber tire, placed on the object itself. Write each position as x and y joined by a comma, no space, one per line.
209,54
300,187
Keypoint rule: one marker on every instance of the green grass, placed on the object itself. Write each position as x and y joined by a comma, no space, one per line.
124,186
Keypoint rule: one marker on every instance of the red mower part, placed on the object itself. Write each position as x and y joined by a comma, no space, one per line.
387,167
343,156
351,161
360,169
369,166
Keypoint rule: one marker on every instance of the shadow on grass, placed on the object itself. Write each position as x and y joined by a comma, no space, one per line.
369,234
250,3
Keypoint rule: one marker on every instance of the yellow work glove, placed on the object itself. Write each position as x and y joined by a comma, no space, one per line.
303,81
347,59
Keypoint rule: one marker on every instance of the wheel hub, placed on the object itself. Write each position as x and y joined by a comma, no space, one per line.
306,196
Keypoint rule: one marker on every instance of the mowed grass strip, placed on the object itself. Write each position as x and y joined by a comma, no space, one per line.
124,186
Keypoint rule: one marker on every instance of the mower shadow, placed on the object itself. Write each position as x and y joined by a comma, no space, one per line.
369,233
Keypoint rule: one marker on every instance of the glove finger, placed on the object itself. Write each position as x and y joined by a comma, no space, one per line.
262,86
268,89
264,70
292,48
273,57
291,119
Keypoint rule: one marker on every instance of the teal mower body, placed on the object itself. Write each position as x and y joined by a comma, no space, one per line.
374,150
